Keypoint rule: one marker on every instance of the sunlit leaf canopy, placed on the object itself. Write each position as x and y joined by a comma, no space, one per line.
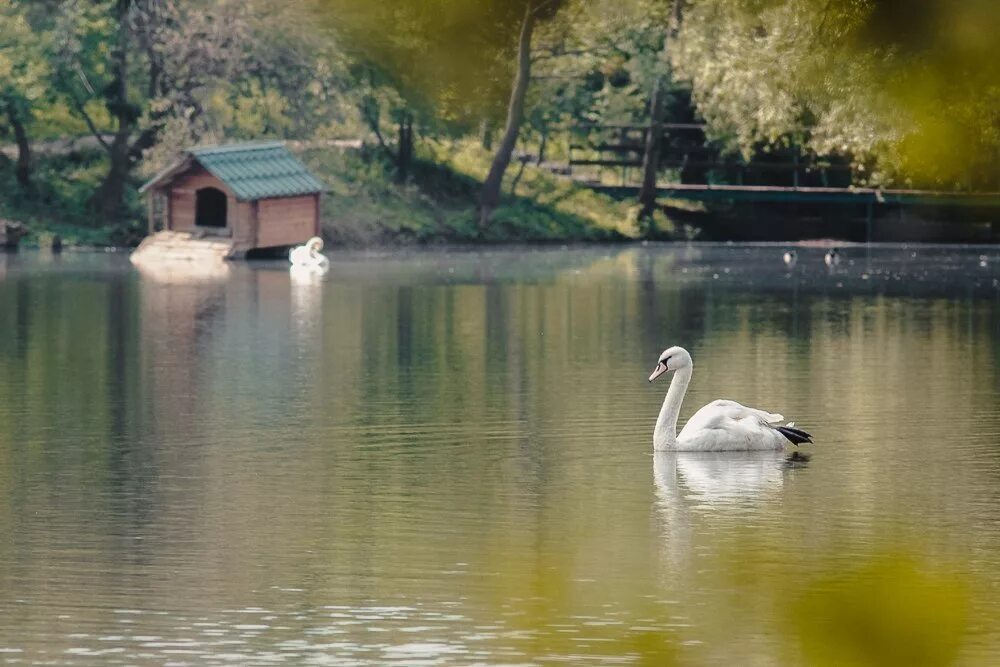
455,56
20,76
910,90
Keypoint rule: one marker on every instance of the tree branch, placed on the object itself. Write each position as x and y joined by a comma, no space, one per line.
373,125
80,108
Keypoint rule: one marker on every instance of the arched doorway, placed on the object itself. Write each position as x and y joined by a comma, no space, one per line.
210,208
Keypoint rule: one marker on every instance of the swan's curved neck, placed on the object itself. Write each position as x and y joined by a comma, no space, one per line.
665,433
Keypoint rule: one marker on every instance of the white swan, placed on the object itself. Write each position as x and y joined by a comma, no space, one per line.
720,425
309,255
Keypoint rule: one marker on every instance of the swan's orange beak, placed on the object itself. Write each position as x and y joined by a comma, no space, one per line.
660,369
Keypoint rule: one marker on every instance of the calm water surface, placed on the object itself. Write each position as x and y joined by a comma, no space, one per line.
444,458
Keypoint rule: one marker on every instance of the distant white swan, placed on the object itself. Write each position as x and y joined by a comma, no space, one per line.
790,258
309,255
832,257
720,425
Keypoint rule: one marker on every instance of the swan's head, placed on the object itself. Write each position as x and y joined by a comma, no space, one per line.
671,359
315,244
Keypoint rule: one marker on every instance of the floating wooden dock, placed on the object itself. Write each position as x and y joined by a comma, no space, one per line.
183,246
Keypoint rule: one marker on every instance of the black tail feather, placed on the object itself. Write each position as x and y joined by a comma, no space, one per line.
794,435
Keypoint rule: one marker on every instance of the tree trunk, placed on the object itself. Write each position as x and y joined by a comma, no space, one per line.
486,134
23,168
111,194
518,175
404,149
489,199
651,154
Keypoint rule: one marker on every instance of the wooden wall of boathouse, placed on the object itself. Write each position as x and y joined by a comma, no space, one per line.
287,220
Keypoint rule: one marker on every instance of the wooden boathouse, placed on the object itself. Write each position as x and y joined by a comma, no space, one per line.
224,201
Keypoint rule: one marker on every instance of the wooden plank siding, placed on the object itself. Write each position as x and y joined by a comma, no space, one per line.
182,202
243,224
286,221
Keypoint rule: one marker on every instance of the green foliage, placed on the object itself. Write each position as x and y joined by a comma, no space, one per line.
453,57
56,120
24,69
251,111
911,101
58,204
598,64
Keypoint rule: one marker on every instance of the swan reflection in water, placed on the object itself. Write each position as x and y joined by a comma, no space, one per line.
693,489
306,298
713,478
307,275
709,507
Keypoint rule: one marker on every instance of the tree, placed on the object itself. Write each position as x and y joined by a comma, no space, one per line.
449,57
909,93
145,62
651,152
377,97
435,61
23,79
489,198
605,62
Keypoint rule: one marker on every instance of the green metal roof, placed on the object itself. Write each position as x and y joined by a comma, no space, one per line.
258,170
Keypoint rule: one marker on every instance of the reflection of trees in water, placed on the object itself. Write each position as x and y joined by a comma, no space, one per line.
88,413
132,466
180,318
493,423
457,266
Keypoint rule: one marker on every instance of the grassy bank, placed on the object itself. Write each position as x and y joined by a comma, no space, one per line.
365,206
437,203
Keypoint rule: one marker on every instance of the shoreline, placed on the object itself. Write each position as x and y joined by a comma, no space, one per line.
531,246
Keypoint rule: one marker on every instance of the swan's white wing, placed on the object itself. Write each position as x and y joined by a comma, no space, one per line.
722,411
723,424
299,255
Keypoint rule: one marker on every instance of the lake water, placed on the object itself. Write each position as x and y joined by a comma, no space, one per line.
444,458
